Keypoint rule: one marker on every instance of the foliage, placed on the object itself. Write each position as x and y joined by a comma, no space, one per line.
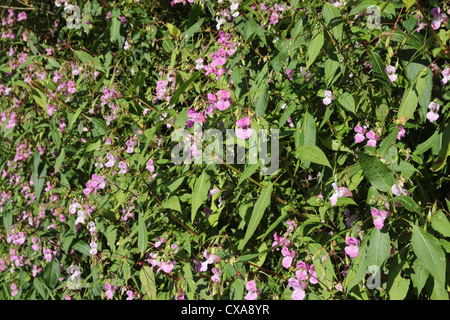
94,207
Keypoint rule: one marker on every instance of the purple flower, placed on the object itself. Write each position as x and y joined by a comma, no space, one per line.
339,192
360,132
446,75
253,291
390,70
245,130
352,248
433,115
379,216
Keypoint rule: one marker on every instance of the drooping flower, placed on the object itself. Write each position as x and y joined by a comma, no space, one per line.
390,70
289,255
352,248
339,192
328,97
398,190
379,216
401,132
446,75
360,132
372,137
298,288
253,291
194,117
433,115
438,18
245,130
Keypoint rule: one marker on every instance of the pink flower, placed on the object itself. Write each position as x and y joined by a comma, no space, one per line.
150,167
299,288
110,290
302,272
373,138
446,75
253,291
14,290
401,132
390,70
438,18
111,160
245,130
123,167
216,276
289,255
167,266
379,216
433,115
22,16
328,97
339,192
397,189
71,87
352,248
194,117
360,132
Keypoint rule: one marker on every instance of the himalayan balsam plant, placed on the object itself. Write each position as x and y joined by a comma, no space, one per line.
132,139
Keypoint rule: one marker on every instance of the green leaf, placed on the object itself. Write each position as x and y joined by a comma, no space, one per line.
199,193
82,247
387,143
237,289
440,223
408,203
333,20
172,203
88,59
314,48
115,30
358,268
379,247
93,145
182,89
40,98
59,160
429,252
411,97
142,234
376,172
188,278
258,211
379,69
399,288
420,276
427,144
409,3
100,125
40,286
174,31
262,102
312,154
248,171
347,101
52,273
148,283
330,68
252,28
38,179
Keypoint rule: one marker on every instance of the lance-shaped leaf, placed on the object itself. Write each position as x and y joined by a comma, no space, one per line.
258,211
312,154
428,249
199,193
376,172
411,96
